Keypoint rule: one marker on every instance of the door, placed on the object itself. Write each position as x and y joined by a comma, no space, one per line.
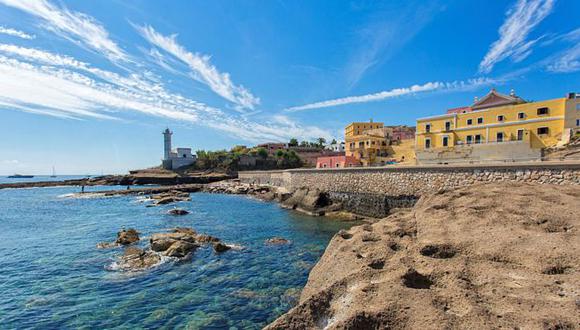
499,137
520,134
469,139
427,143
478,138
445,141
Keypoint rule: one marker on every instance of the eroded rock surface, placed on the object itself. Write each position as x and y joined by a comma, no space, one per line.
127,236
479,257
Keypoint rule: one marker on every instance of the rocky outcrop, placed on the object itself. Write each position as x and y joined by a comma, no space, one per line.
179,243
168,197
310,201
126,237
480,257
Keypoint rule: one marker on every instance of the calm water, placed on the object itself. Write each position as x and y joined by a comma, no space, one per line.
41,178
52,276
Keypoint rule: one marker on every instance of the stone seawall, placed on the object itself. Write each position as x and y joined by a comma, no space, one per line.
376,190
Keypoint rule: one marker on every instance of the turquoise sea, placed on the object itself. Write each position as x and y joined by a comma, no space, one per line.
53,277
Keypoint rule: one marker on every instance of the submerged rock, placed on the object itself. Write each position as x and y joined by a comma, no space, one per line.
106,245
126,237
277,241
177,212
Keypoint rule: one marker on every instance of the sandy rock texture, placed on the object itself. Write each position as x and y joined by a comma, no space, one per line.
485,256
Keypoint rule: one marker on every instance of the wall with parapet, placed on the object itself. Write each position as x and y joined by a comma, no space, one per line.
415,180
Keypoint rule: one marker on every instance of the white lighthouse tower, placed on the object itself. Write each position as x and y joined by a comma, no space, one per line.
167,143
175,159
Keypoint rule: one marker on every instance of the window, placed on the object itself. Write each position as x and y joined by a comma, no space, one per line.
577,106
428,128
469,139
543,111
447,125
521,115
480,120
338,165
478,138
577,122
427,143
445,141
520,134
500,118
499,137
469,121
543,130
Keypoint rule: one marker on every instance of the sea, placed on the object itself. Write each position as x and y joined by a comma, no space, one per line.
52,276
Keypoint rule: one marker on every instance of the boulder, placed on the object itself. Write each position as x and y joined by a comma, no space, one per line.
202,238
277,241
126,237
180,249
172,199
135,259
177,212
220,247
307,199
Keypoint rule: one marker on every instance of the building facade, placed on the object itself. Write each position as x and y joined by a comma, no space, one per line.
497,127
174,159
337,162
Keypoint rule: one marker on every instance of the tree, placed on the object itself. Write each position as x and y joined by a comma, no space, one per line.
280,153
333,141
321,142
263,153
293,142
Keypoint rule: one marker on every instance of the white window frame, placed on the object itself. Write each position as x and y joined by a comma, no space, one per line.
475,138
479,119
523,115
469,139
502,120
544,114
502,136
443,139
467,121
546,127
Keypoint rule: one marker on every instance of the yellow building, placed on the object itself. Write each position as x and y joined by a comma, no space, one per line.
495,121
368,142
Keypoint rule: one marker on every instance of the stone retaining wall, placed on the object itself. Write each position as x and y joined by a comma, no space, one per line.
415,180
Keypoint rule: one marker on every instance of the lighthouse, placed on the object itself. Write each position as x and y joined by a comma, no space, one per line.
174,159
167,143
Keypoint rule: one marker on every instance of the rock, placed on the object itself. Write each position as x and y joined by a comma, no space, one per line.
277,241
172,199
220,247
135,259
180,249
206,239
106,245
177,212
162,241
126,237
309,200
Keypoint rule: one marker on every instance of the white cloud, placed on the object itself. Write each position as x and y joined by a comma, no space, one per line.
77,27
202,69
40,82
16,33
569,59
521,19
415,89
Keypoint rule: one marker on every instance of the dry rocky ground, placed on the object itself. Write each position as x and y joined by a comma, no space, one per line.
478,257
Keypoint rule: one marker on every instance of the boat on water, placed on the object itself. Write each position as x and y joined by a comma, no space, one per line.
20,176
53,173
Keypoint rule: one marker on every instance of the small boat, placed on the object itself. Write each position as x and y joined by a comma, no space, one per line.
20,176
53,173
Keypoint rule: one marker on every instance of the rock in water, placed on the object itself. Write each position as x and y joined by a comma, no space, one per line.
277,241
180,249
220,247
126,237
177,212
106,245
138,259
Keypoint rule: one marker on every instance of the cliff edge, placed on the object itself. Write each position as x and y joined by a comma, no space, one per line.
484,256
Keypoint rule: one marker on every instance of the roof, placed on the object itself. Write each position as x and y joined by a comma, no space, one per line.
495,99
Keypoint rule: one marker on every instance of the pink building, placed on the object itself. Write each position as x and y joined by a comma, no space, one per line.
336,161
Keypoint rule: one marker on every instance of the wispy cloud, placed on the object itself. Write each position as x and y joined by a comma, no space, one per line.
77,27
44,83
202,69
521,19
397,92
567,60
16,33
385,34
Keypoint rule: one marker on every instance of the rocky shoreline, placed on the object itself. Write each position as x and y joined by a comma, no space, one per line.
486,256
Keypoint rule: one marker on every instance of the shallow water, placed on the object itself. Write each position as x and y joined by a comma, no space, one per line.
52,276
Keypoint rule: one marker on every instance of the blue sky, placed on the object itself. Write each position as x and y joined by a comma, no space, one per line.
88,86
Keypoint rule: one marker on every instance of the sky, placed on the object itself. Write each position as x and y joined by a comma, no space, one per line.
88,86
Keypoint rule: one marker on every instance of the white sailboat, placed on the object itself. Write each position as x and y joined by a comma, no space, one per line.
53,173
